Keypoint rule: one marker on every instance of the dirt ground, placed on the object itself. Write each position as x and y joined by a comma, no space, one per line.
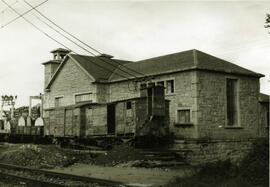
116,164
128,175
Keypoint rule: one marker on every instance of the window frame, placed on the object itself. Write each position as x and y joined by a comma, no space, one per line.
57,97
177,122
237,116
166,86
82,93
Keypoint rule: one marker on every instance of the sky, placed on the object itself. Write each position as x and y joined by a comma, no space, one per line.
131,30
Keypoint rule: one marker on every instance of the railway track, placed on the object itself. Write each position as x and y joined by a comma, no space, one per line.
41,178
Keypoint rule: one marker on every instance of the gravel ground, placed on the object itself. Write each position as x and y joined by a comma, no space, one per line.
41,156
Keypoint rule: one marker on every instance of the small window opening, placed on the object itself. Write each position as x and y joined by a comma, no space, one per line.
128,104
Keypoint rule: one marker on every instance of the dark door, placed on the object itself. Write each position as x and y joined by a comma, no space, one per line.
111,119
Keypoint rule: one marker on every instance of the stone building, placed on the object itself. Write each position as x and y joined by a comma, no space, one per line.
210,98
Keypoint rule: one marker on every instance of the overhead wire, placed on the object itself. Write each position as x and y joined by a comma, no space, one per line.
101,59
4,9
46,34
21,15
82,42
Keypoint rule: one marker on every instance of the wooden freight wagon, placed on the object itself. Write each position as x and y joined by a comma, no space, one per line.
76,121
136,117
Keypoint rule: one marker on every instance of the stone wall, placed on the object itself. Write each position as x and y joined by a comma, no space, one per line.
212,111
71,80
206,151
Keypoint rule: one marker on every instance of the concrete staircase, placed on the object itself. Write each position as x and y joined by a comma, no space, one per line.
171,156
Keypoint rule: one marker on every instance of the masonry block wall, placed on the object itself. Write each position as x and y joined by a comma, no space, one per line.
184,97
70,81
209,151
102,93
212,111
123,90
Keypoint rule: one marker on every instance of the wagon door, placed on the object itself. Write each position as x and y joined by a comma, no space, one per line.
60,122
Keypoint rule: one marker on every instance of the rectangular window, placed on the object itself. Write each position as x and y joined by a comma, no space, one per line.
83,97
59,101
183,116
232,100
128,105
170,86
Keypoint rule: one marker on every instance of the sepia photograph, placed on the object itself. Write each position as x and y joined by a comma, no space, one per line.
134,93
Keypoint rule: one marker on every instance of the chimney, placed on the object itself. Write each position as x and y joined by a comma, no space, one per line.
52,65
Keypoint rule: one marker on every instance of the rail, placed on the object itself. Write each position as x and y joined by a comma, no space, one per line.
56,175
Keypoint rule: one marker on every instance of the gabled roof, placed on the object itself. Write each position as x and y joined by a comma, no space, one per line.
182,61
104,69
264,98
101,68
98,68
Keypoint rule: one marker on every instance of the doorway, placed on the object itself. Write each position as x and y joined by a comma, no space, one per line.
111,118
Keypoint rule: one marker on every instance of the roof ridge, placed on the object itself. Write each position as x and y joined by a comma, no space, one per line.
195,57
165,55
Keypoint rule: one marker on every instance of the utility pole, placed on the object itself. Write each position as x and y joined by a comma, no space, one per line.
8,101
